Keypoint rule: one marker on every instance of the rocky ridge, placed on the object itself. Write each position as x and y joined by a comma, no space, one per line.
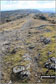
25,51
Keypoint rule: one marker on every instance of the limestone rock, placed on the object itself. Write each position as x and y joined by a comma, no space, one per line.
18,69
20,73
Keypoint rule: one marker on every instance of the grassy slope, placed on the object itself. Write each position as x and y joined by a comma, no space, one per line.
33,38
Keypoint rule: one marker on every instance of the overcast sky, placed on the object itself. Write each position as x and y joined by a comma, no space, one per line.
29,4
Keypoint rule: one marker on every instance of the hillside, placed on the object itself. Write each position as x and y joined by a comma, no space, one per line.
7,16
27,47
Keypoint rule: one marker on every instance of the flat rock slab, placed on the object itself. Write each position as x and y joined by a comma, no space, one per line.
18,69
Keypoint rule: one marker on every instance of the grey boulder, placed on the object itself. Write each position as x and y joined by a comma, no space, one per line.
53,59
19,72
45,40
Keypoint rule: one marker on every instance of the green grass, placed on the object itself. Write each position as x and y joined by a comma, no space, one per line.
49,47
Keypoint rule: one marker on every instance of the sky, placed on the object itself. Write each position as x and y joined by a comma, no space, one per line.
29,4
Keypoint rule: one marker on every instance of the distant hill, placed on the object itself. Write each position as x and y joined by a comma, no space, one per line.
7,16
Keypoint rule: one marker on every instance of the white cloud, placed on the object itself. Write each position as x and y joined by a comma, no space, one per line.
27,4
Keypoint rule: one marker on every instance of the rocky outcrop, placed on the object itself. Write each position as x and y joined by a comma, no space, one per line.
45,40
19,72
53,59
51,64
40,16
